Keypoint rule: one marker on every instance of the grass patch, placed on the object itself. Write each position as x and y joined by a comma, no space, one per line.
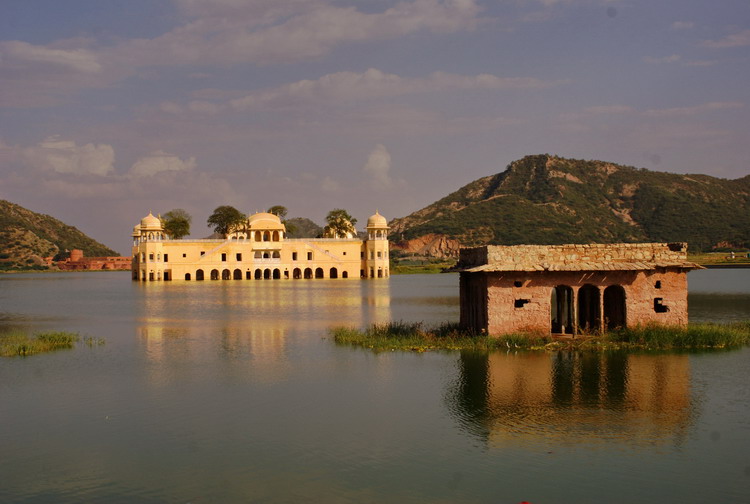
416,337
16,343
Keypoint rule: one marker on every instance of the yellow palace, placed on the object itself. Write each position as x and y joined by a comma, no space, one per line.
261,251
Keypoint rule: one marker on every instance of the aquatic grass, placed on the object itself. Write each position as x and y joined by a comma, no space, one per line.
416,336
17,343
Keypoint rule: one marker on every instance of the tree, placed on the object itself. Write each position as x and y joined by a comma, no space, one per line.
340,224
226,219
176,223
280,211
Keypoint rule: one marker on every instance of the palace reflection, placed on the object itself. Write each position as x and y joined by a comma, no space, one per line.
248,325
570,397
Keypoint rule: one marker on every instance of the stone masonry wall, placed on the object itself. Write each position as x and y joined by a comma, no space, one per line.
519,301
530,255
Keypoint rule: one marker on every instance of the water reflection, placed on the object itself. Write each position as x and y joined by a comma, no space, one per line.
248,322
571,397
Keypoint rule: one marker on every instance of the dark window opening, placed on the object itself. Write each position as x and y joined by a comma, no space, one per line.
309,256
518,303
659,306
658,284
166,257
184,255
203,253
294,256
518,283
239,257
223,257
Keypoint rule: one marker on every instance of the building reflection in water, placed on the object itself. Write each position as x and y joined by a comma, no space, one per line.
570,397
246,328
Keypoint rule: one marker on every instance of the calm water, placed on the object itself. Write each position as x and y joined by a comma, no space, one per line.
232,392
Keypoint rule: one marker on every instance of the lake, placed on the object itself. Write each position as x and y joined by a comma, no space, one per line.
234,392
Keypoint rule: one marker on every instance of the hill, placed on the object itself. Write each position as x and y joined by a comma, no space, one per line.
546,199
26,237
303,228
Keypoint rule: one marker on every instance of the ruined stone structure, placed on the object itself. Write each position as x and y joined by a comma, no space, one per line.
259,251
77,262
572,289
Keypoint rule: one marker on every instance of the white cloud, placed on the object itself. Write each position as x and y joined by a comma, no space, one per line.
739,39
673,58
378,168
330,185
160,161
693,110
683,25
373,83
293,31
80,60
65,156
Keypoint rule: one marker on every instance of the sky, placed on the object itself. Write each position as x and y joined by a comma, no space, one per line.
113,109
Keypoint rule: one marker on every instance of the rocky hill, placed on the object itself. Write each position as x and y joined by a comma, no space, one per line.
26,237
546,199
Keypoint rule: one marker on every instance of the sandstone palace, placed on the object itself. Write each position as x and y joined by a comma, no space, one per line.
260,251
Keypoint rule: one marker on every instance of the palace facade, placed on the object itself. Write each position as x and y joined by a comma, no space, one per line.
261,251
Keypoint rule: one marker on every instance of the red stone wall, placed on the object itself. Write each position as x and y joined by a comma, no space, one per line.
519,301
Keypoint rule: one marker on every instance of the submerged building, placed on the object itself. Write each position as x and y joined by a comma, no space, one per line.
261,250
572,289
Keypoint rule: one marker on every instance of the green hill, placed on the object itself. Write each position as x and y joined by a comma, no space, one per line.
546,199
26,237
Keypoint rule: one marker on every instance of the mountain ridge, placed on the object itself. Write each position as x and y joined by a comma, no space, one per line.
26,237
546,199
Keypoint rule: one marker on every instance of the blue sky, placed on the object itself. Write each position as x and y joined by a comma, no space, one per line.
112,109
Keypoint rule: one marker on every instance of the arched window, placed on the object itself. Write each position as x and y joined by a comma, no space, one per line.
344,274
266,236
319,273
275,236
199,274
334,273
214,274
276,254
258,274
267,274
308,273
237,274
258,236
276,274
296,274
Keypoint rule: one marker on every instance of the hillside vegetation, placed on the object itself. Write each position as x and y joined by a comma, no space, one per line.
26,237
546,199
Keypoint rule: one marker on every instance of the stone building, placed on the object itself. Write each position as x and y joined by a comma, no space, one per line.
260,251
572,289
77,262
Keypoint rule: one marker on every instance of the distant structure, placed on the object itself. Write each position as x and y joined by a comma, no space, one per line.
259,251
572,289
77,262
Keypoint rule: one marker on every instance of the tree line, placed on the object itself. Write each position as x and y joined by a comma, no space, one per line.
226,219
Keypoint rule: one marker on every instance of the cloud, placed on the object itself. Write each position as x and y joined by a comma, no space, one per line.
159,162
694,110
79,60
674,58
373,83
683,25
330,185
378,168
739,39
65,156
291,31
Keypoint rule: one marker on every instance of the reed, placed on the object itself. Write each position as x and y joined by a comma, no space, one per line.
416,336
16,343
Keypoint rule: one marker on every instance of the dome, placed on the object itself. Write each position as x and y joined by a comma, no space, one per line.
265,220
377,220
150,222
137,230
